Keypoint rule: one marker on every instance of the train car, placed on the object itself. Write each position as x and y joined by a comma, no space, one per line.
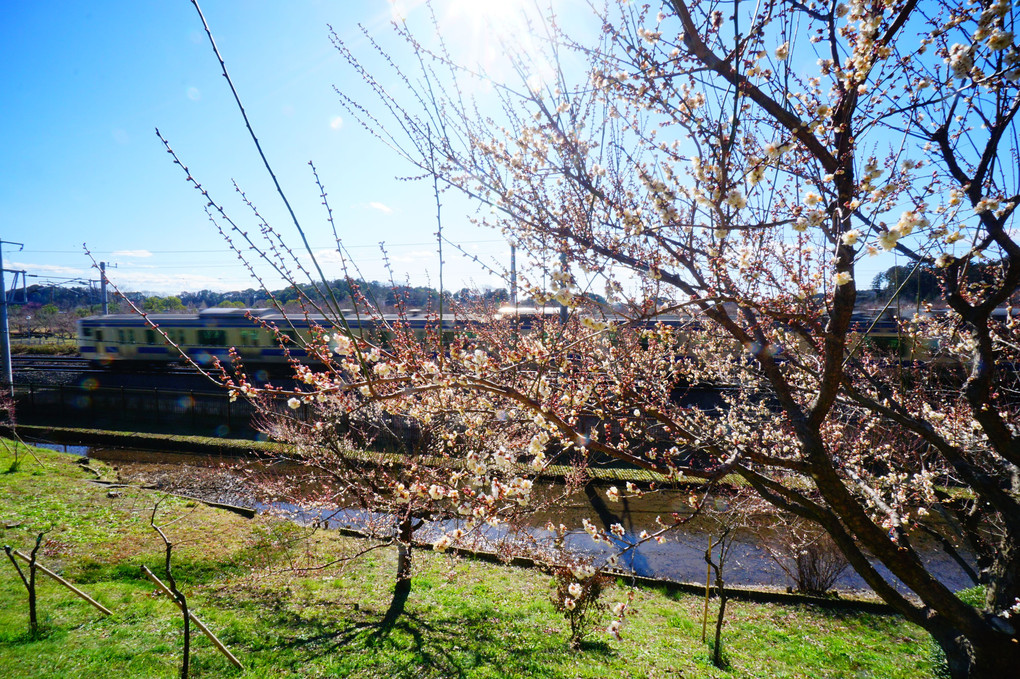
130,339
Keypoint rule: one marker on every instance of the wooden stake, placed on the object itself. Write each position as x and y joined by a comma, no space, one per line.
65,583
708,591
198,623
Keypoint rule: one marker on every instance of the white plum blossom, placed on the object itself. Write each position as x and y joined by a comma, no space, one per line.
575,590
851,237
842,278
986,204
908,221
736,200
582,572
293,403
961,60
888,239
1000,40
783,51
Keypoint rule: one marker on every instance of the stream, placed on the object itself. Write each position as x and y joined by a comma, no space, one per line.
681,558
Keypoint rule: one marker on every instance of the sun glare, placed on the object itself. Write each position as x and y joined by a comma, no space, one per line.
479,33
482,12
486,27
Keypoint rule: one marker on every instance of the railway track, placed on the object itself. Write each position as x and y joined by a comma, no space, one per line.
84,365
36,362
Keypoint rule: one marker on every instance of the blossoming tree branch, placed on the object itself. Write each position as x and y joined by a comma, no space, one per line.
731,166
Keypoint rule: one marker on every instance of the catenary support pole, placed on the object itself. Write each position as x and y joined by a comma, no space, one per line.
5,334
102,287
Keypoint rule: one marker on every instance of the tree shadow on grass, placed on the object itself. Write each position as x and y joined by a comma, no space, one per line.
452,646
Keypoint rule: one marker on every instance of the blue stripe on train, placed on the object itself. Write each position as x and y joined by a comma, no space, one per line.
280,352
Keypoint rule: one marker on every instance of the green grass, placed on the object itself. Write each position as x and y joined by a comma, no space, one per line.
464,618
48,347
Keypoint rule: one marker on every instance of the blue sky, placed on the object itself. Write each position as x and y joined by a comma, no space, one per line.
86,83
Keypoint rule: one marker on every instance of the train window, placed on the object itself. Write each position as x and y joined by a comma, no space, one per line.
99,335
131,336
289,336
120,336
150,336
249,338
212,338
86,332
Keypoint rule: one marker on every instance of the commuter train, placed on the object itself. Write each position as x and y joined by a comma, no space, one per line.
125,340
121,340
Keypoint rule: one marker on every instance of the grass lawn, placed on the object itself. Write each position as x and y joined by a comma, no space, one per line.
464,618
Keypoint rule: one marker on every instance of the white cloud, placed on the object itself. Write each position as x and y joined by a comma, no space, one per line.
413,257
54,269
194,94
336,123
381,207
132,253
164,284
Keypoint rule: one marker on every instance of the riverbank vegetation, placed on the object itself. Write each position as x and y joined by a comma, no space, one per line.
465,618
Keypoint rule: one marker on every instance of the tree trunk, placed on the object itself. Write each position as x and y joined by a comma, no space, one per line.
717,659
1003,576
402,586
998,655
33,618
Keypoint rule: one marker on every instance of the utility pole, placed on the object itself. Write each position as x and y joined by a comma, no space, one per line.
5,333
102,287
513,276
564,311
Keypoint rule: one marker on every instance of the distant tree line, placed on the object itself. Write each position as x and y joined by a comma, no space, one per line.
87,300
920,283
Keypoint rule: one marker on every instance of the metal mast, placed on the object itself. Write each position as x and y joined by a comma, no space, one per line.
5,333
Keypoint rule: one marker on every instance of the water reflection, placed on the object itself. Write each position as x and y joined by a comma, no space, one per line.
680,558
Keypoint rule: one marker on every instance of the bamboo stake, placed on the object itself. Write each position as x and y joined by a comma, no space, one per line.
63,582
198,623
708,591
